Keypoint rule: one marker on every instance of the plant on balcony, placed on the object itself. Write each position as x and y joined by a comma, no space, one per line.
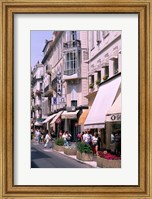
91,85
105,77
38,92
98,81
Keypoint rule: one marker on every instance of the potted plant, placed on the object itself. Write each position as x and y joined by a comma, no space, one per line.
84,152
70,150
59,144
98,82
91,85
107,160
105,77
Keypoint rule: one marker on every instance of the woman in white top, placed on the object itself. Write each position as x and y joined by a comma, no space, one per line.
95,142
47,140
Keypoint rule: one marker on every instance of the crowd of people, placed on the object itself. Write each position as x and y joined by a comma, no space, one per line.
88,137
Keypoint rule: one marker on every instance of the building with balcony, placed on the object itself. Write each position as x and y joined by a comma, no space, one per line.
36,92
104,80
64,64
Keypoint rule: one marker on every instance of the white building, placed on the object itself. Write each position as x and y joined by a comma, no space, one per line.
104,83
37,90
64,61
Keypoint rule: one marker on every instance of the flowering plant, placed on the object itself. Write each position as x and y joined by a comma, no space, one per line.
108,156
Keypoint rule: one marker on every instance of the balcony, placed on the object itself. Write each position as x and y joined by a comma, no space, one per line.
71,74
72,44
48,92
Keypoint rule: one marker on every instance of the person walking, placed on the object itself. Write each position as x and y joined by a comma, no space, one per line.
47,140
95,143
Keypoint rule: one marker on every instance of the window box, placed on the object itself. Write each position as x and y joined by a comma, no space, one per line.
91,85
105,77
98,82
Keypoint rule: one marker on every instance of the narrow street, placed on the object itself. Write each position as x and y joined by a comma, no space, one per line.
48,158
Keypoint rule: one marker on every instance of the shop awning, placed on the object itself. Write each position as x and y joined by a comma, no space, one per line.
56,117
49,118
38,123
114,113
83,117
69,115
102,102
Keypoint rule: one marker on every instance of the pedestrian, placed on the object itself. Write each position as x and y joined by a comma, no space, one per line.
79,137
64,136
87,137
47,140
95,143
69,136
60,134
38,136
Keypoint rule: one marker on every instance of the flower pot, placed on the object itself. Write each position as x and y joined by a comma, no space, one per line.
104,163
58,148
84,156
70,151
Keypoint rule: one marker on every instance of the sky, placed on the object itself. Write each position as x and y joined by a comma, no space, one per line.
38,38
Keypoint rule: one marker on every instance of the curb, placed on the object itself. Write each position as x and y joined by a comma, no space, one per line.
92,164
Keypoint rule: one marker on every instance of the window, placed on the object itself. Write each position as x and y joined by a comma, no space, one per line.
115,66
73,35
105,33
92,39
70,63
74,103
99,75
92,79
98,37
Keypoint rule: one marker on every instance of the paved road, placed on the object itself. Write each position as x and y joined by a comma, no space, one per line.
48,158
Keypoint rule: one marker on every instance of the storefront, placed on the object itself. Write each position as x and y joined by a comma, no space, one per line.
104,99
113,122
71,122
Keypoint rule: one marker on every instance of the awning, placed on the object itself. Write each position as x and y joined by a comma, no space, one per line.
102,102
38,123
56,117
69,115
83,117
114,113
49,118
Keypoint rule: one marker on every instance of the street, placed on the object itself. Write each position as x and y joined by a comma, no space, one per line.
48,158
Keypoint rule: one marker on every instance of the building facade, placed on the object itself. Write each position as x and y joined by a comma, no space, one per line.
66,74
104,76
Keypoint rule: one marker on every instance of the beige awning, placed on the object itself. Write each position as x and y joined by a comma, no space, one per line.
69,115
102,103
114,113
83,117
55,118
49,118
38,123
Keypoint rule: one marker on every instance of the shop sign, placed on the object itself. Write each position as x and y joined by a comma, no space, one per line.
114,117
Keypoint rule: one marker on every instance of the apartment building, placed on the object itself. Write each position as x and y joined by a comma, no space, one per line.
36,93
104,77
66,80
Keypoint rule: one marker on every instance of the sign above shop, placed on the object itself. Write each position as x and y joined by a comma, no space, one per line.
113,118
